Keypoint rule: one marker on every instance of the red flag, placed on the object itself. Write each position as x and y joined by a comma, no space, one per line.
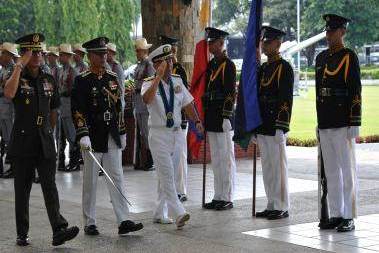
197,90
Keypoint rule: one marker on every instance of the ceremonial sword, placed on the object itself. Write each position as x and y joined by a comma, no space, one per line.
107,175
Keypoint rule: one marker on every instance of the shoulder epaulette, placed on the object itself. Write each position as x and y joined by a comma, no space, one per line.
111,73
149,78
85,73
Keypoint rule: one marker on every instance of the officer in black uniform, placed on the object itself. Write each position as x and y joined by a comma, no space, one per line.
98,119
35,98
218,102
275,94
338,103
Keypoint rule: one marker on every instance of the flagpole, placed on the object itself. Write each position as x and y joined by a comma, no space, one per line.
254,178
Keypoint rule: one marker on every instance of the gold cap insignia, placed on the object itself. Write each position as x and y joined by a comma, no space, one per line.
35,38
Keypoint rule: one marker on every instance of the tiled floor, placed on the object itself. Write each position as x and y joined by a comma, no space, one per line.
365,238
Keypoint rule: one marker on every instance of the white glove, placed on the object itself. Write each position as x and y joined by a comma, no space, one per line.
85,142
123,141
352,132
279,136
226,126
254,139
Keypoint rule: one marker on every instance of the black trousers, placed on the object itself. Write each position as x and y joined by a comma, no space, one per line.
24,172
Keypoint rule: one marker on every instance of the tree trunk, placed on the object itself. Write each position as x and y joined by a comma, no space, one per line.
309,52
172,18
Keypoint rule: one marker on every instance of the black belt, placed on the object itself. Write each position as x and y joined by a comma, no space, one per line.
267,99
333,92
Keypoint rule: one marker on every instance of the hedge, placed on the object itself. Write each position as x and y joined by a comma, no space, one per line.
365,74
313,142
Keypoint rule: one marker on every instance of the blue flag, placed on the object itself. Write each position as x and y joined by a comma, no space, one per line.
247,112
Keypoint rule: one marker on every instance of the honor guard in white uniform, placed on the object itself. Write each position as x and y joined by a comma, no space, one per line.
218,103
338,103
8,52
166,96
180,157
275,94
100,128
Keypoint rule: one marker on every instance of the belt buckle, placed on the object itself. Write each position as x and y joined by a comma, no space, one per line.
107,116
325,92
39,120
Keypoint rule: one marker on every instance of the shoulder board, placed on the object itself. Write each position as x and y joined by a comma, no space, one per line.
111,73
149,78
85,73
176,75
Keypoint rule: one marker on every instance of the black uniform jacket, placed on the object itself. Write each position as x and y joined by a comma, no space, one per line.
96,109
338,89
275,94
32,133
219,96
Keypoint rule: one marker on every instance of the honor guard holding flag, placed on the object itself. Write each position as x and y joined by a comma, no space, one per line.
218,102
180,156
166,97
275,94
96,109
36,100
338,103
8,52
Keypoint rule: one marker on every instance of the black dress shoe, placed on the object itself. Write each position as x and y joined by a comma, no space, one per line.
211,205
22,240
8,174
64,234
91,230
129,226
101,173
331,223
224,205
277,214
346,225
263,214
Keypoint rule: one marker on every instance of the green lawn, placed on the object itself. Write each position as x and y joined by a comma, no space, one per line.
303,120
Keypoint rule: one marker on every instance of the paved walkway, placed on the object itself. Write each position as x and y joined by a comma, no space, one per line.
208,231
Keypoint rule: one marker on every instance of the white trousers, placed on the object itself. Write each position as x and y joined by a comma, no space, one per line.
180,162
340,169
111,161
223,164
162,143
275,172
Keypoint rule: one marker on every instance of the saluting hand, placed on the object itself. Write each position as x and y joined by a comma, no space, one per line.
161,69
24,60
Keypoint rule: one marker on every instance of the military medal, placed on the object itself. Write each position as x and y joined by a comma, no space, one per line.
168,105
27,101
178,89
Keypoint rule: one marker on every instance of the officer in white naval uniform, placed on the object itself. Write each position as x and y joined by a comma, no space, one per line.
165,96
99,123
